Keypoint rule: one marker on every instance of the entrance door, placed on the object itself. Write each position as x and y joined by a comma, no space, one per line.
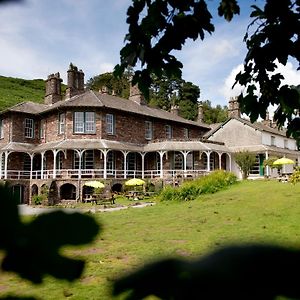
18,192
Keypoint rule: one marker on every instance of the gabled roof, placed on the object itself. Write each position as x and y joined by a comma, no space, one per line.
94,99
27,107
256,125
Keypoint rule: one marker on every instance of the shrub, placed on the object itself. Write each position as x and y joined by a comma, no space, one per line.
37,199
295,177
190,190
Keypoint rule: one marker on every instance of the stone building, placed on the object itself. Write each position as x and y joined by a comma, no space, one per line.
263,139
85,134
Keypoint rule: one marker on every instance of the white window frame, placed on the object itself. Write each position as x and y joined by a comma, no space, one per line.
29,128
84,122
110,124
148,130
273,140
89,122
186,133
1,129
168,129
61,123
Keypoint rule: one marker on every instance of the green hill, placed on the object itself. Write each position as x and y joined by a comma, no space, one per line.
16,90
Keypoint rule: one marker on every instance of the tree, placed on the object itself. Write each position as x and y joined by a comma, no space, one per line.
213,115
157,27
118,86
245,160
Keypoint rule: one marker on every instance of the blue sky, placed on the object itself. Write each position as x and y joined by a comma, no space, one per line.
42,37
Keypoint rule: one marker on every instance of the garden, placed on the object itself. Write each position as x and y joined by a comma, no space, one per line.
193,225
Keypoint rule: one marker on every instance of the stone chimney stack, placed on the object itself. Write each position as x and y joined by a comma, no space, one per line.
136,95
234,108
53,89
174,110
75,82
200,117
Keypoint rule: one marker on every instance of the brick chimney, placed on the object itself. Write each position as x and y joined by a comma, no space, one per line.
234,108
174,110
75,81
200,117
53,89
136,95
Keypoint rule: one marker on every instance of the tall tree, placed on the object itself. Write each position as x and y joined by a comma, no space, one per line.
157,27
216,114
188,100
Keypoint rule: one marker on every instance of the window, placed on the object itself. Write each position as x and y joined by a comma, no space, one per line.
42,129
110,124
185,133
168,129
59,160
1,129
29,128
273,141
87,160
84,122
61,123
110,163
148,130
286,144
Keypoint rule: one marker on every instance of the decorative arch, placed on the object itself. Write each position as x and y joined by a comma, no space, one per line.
68,191
34,190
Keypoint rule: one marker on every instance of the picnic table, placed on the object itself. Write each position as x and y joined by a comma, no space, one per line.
99,198
134,195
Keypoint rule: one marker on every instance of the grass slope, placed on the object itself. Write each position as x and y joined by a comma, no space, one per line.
16,90
254,211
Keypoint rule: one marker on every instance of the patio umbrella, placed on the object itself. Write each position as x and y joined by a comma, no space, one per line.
95,184
283,161
134,182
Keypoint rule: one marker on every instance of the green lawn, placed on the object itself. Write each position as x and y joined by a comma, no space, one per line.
254,211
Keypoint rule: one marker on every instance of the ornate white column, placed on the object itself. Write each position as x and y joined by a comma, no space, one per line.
161,155
208,160
125,163
31,164
267,167
185,154
6,153
143,164
104,152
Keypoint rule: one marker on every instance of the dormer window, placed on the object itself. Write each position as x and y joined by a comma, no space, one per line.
29,128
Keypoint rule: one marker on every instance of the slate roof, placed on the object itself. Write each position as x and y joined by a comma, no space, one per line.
256,125
94,99
89,144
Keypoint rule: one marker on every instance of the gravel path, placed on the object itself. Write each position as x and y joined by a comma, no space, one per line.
27,210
